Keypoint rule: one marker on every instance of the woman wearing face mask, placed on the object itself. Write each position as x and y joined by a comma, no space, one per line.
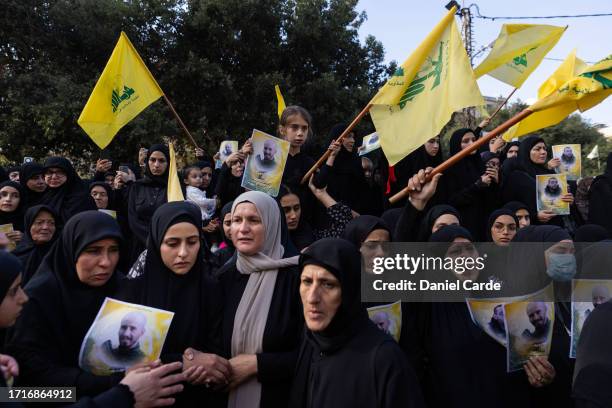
40,234
345,360
472,188
65,296
175,279
66,193
32,176
520,183
551,380
12,206
143,386
261,316
146,196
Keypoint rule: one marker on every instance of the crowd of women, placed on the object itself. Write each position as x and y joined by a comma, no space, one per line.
266,291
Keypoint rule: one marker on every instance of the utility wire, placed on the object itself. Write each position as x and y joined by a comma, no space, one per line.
534,17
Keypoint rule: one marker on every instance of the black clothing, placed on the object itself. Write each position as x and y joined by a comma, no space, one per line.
228,186
31,254
495,215
11,268
27,171
600,198
591,233
112,202
70,198
14,217
358,229
276,363
47,337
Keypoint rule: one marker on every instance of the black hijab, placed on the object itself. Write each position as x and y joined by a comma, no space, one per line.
524,160
514,206
14,217
110,193
10,268
3,175
343,260
468,169
506,149
185,295
31,254
432,215
27,171
149,178
415,161
71,197
591,233
210,190
448,233
495,215
358,229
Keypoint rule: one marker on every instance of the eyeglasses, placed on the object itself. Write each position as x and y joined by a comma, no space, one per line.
58,173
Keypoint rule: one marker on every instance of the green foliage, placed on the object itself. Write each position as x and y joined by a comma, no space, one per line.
217,60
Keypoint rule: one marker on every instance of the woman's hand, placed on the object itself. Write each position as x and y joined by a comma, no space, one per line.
554,163
545,215
152,387
244,366
14,236
210,368
8,366
212,226
334,148
234,157
497,144
493,174
421,191
539,371
247,148
567,198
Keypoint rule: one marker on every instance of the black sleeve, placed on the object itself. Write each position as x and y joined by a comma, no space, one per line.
221,189
321,178
214,309
119,396
407,227
137,225
600,202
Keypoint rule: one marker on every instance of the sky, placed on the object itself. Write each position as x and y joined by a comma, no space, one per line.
400,25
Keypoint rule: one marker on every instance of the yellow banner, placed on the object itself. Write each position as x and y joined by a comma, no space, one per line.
280,99
175,193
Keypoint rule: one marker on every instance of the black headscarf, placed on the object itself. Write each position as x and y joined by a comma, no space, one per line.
486,156
162,179
31,254
186,295
542,233
432,215
449,233
467,170
3,175
14,217
71,197
514,206
210,190
591,233
496,214
524,159
358,229
415,161
109,192
27,171
10,268
506,149
342,259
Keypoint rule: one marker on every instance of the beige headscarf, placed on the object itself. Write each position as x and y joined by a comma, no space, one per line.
252,313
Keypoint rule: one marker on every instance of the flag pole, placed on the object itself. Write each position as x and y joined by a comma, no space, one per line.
502,104
180,121
344,134
451,161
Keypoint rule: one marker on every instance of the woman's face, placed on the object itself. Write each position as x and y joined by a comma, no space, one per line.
371,247
463,248
97,263
206,176
55,177
100,196
295,131
321,295
42,228
292,209
443,221
467,140
512,152
432,146
180,247
349,142
9,199
158,163
237,168
227,225
538,153
503,230
11,305
523,217
248,232
37,183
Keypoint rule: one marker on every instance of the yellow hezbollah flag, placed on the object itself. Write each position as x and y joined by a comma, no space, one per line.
572,86
518,50
175,193
280,99
125,88
420,97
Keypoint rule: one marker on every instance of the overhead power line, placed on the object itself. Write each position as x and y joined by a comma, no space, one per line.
478,15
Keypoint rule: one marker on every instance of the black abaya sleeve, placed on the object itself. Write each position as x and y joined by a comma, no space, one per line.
407,227
396,383
138,226
600,200
276,366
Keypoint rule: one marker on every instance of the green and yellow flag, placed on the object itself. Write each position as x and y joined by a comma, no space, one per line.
518,50
125,88
572,86
175,193
420,97
280,99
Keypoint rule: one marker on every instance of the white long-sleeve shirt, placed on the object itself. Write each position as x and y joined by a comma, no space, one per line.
207,205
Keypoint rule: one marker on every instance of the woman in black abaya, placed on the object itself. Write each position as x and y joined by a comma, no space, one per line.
65,296
345,360
12,207
66,193
32,178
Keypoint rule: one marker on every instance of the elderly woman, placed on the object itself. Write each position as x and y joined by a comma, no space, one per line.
261,317
345,360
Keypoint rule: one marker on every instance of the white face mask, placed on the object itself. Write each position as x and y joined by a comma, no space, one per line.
561,267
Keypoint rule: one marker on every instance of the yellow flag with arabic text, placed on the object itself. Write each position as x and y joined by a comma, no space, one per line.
419,99
573,86
517,52
175,193
125,88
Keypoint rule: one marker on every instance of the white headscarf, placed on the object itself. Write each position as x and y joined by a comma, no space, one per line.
252,313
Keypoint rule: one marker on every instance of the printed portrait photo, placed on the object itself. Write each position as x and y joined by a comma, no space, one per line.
550,189
597,291
571,162
388,318
265,166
